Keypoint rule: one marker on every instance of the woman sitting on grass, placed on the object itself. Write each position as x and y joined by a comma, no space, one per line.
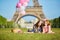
37,27
47,27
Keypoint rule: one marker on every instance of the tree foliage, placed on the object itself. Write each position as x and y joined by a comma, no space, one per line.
3,21
55,22
7,24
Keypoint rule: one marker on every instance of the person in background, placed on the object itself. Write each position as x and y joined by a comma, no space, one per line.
16,30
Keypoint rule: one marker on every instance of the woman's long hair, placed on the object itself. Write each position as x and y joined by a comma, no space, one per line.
36,25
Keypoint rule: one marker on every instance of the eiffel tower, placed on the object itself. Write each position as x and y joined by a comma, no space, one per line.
35,10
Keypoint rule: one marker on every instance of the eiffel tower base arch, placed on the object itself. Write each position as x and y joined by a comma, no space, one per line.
35,10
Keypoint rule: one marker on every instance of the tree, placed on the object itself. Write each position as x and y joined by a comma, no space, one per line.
6,24
56,22
9,24
59,21
3,21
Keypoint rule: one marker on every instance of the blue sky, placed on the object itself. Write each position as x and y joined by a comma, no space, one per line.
51,8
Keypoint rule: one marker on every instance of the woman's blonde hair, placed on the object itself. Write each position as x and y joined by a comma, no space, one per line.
48,22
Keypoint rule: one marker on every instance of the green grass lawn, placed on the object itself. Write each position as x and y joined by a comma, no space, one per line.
5,34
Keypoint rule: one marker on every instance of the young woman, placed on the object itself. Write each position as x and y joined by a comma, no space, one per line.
47,27
38,27
35,27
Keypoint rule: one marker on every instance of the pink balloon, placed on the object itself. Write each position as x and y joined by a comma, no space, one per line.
21,1
18,5
22,8
23,12
26,0
25,4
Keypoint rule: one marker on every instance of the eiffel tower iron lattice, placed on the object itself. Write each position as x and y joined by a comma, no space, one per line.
35,10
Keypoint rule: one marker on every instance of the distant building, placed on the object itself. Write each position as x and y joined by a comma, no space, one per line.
25,24
34,21
22,22
28,24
